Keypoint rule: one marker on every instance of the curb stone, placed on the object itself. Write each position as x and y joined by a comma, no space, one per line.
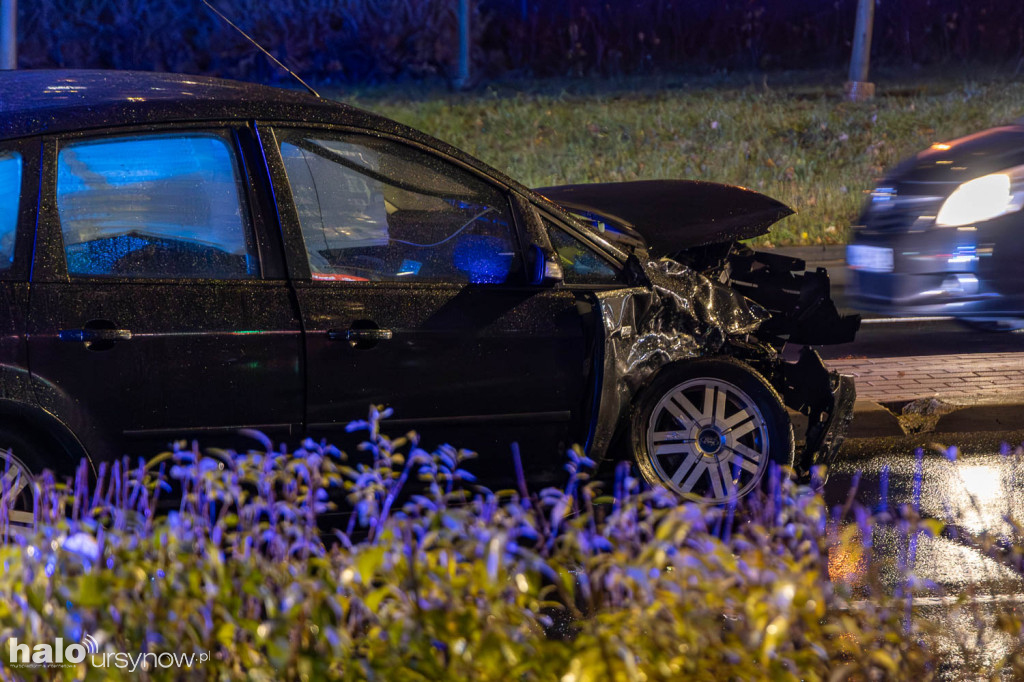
991,417
826,255
872,420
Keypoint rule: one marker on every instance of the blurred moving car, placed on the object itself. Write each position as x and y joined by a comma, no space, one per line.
185,257
940,235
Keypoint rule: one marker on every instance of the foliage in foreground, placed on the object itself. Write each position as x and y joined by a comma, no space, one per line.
447,582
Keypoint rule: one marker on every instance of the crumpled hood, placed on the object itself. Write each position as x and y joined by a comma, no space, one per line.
673,215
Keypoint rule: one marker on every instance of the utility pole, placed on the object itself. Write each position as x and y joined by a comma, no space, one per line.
858,88
8,34
462,71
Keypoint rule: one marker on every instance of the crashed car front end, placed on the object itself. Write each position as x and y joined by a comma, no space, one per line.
697,292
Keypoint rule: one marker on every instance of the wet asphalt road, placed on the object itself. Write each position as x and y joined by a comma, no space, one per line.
972,491
895,337
882,336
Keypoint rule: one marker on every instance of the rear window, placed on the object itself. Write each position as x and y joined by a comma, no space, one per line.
10,196
154,206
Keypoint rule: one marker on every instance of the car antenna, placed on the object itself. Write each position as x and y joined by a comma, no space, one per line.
260,47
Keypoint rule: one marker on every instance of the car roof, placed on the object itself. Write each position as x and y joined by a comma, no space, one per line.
45,101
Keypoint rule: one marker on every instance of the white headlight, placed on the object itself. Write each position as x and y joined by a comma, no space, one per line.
981,199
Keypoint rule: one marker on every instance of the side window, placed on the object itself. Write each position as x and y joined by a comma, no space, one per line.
580,263
10,195
375,210
154,206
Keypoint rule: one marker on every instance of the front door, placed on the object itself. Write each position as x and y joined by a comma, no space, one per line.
410,281
151,309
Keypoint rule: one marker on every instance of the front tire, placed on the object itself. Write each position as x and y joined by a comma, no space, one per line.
709,430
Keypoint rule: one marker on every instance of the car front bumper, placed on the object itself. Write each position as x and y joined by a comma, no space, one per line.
826,398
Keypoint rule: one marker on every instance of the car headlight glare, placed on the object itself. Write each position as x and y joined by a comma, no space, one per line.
984,198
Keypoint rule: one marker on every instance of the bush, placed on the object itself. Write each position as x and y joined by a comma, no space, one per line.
324,40
357,41
441,581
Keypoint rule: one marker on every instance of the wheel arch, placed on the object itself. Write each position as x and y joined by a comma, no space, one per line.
64,449
621,433
685,366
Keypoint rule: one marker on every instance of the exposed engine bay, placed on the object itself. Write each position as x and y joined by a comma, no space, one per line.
713,295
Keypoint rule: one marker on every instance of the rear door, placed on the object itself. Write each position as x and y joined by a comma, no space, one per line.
159,307
409,274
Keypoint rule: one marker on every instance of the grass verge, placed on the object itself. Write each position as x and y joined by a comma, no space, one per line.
791,136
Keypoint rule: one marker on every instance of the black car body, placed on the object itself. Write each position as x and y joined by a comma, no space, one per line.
938,235
187,257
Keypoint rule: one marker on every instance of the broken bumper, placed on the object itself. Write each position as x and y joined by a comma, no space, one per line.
827,398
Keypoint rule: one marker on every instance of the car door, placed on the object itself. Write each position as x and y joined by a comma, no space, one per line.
158,305
19,173
409,275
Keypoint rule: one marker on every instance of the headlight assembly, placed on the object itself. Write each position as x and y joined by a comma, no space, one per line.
984,198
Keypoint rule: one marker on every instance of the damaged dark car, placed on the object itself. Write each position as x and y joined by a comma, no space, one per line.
184,257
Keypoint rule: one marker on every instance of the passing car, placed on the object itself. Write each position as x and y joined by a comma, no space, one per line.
186,257
939,235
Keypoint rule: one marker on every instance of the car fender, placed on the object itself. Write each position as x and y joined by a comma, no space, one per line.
679,314
43,408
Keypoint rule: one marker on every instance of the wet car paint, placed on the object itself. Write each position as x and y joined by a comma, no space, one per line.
459,362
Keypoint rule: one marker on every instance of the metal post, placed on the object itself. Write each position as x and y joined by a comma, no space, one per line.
8,34
858,87
462,72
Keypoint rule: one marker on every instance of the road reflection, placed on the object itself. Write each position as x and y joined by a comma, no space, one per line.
961,579
972,496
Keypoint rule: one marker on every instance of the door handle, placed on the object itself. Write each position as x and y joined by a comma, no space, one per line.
356,335
360,338
88,335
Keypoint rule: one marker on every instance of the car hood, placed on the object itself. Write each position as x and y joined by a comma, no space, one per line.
672,215
963,159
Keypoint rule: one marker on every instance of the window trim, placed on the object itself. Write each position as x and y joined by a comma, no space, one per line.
291,229
594,245
50,262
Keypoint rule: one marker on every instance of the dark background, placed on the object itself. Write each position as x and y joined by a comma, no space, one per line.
374,41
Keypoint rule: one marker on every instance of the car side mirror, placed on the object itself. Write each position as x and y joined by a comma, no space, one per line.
543,266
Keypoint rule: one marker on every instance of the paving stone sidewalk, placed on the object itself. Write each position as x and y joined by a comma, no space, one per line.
974,378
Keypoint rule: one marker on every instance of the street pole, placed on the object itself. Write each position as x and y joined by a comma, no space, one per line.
462,72
858,88
8,34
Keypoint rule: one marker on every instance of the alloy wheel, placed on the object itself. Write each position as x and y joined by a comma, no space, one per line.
708,440
17,500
